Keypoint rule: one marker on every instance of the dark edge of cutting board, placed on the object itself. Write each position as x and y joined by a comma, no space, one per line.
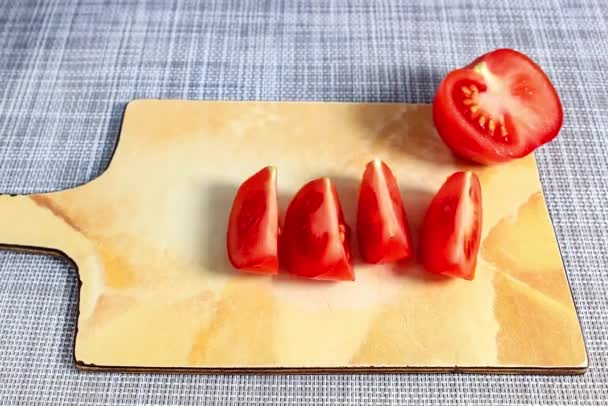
507,370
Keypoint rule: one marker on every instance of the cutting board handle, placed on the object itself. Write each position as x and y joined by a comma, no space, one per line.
27,222
32,223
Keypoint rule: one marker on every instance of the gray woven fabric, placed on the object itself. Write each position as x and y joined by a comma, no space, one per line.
67,71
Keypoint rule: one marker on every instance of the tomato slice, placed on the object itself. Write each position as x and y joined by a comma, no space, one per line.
451,229
253,226
316,241
382,227
500,107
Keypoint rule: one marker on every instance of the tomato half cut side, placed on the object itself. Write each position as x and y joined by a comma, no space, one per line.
315,242
253,226
382,228
500,107
451,229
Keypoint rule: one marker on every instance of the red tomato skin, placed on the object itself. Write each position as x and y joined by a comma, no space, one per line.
382,228
470,143
315,242
441,251
252,238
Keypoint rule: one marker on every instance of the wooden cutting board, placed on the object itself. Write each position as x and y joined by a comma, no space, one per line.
158,294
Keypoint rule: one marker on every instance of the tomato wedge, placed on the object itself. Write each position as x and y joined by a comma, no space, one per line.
451,229
500,107
382,227
316,241
253,226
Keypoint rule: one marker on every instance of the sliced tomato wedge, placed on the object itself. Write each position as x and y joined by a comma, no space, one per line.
451,229
253,226
315,242
500,107
382,227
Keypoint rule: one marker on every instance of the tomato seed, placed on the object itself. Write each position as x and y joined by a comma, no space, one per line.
491,126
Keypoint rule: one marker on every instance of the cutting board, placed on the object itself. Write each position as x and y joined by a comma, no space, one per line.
157,293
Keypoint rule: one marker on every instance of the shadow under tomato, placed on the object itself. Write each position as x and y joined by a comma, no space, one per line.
409,132
284,198
286,279
415,202
418,273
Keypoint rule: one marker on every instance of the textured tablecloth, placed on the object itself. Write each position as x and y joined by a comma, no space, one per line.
67,70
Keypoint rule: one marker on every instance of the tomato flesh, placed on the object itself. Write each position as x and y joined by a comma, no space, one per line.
382,227
253,226
451,229
315,242
500,107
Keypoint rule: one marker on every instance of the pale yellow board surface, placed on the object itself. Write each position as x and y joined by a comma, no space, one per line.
148,239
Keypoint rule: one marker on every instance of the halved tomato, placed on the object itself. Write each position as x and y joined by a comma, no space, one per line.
253,226
316,240
500,107
382,228
451,229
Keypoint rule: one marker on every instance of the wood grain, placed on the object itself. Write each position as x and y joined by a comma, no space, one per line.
157,292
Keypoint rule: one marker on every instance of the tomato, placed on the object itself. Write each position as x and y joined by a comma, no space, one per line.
500,107
253,226
451,229
382,228
316,240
